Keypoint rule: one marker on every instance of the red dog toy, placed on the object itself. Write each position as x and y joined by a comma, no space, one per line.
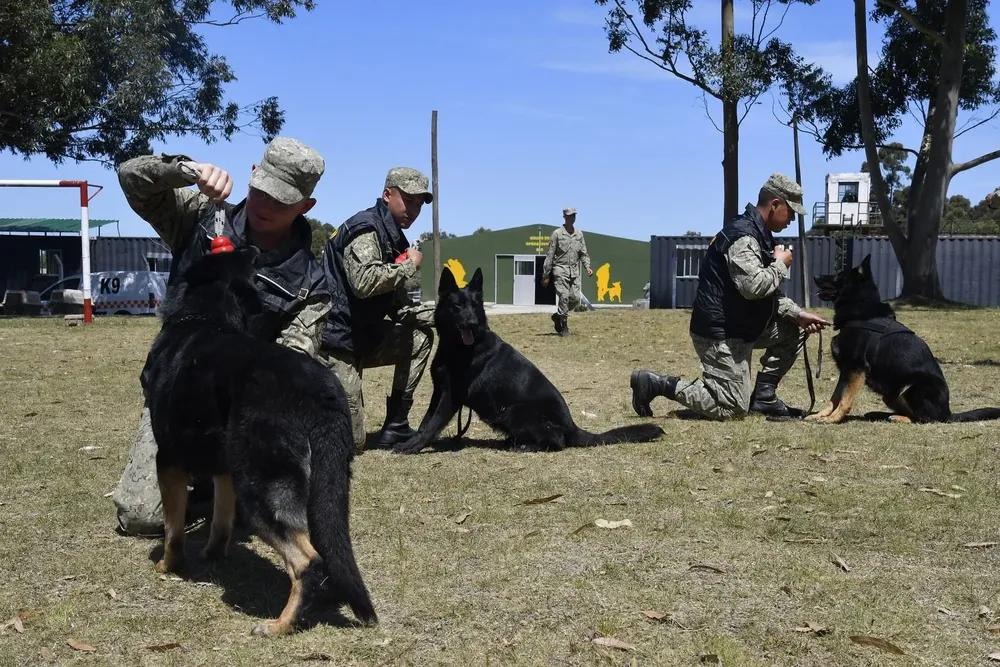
221,244
401,258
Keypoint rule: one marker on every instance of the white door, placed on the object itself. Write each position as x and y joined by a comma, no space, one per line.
524,280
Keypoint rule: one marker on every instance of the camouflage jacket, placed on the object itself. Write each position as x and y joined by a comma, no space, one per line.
158,192
369,276
566,251
756,281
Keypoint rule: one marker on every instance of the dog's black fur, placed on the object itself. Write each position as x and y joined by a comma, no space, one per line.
895,362
271,424
474,367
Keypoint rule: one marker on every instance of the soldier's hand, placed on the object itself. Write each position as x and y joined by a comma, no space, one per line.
213,182
590,272
415,255
783,255
545,282
811,322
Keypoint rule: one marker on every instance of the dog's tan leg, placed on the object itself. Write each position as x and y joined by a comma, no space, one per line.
223,517
298,552
838,395
900,419
854,384
822,413
173,490
906,416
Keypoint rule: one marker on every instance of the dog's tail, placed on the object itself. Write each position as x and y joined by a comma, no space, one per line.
329,481
633,433
982,414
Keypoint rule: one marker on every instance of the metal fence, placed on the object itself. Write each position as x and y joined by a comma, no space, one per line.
969,267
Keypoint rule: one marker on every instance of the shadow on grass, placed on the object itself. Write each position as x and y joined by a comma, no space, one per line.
252,584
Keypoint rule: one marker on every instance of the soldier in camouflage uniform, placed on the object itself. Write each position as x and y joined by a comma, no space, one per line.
289,278
739,307
567,249
373,321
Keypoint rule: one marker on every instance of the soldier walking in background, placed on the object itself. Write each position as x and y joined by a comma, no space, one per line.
567,249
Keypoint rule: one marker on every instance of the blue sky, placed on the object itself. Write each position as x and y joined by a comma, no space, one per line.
534,114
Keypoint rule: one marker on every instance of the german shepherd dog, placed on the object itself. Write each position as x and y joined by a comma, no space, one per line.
876,350
271,425
473,367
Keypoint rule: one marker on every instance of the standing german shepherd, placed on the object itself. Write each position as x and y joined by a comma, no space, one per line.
269,423
876,350
475,368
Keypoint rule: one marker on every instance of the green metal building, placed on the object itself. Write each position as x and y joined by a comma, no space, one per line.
512,261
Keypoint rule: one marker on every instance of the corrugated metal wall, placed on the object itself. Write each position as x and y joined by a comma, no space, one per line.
111,253
969,267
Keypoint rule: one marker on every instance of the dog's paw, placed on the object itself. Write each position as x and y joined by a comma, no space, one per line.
214,552
168,565
271,628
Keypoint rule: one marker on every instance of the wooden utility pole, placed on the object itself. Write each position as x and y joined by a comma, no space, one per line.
804,261
434,191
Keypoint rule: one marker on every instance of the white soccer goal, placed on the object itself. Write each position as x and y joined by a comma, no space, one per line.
85,197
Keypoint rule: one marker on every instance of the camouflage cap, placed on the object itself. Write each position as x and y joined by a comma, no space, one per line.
410,181
289,171
569,211
787,189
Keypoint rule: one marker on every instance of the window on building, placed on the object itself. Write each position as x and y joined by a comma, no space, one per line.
48,262
160,263
847,192
689,261
524,268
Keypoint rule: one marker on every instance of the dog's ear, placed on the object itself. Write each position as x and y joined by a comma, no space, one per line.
866,266
476,284
447,282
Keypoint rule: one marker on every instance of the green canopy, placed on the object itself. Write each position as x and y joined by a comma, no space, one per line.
48,224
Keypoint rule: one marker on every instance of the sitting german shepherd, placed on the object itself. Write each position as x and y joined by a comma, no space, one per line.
475,368
876,350
269,423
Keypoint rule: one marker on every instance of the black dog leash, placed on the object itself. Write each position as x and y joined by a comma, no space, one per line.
462,429
819,367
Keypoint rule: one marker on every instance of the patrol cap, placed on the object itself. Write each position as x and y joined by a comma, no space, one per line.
410,181
289,171
569,211
781,186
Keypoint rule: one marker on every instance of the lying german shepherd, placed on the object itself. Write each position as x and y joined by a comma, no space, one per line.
874,349
475,368
269,423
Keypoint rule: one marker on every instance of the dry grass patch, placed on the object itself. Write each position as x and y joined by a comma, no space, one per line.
759,543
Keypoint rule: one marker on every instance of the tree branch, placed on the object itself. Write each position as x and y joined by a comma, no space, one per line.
708,115
965,166
236,20
912,20
968,128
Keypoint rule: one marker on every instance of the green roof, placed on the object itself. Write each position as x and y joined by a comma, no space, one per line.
48,224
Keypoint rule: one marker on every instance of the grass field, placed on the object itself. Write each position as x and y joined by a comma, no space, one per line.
758,543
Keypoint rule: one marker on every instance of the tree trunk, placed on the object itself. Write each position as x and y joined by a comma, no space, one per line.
896,236
803,252
730,120
920,278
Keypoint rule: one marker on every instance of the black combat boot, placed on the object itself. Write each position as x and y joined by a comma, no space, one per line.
647,385
765,400
396,428
564,325
557,322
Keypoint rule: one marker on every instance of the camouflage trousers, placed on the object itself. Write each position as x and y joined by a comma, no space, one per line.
569,293
405,347
724,389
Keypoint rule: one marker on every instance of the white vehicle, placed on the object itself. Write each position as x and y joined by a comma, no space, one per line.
113,292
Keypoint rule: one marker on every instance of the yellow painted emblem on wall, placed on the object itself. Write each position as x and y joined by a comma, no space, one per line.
604,285
539,242
457,270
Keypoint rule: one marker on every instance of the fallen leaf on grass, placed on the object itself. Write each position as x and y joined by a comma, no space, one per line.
946,611
710,568
895,467
980,545
15,623
611,525
939,492
995,629
876,642
613,643
532,534
956,487
112,594
840,562
984,611
47,653
769,494
78,645
758,452
995,657
805,540
462,517
539,501
324,657
161,648
813,628
710,658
